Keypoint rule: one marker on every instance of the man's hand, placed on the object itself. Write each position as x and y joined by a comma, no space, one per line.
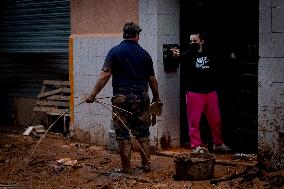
90,99
101,82
156,108
156,99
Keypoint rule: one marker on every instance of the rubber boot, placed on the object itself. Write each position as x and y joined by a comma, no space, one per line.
125,155
145,144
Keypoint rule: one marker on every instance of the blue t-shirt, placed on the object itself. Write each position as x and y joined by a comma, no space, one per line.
131,66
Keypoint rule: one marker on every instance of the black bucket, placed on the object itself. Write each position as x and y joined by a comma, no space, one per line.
194,166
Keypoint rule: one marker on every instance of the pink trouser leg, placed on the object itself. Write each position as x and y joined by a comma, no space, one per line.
213,116
195,104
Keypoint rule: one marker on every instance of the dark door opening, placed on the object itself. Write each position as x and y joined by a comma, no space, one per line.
231,26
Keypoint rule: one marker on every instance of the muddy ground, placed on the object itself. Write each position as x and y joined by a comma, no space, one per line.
96,167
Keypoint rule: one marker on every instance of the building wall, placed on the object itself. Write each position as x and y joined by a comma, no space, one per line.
89,46
91,121
101,16
160,18
96,27
168,26
271,78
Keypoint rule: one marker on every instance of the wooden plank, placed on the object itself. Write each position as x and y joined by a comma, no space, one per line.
28,131
66,90
56,83
49,110
58,97
49,93
67,114
43,109
52,103
55,91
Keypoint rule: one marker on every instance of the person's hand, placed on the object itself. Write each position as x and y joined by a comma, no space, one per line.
156,99
175,51
156,107
90,99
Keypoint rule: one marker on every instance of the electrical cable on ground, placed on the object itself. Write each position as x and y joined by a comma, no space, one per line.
52,126
104,105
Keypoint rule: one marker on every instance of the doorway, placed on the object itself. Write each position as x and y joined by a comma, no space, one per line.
232,30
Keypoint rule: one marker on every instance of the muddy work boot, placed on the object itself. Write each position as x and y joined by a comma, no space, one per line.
125,155
145,154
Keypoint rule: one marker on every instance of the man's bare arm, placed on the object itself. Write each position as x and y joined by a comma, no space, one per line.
154,88
100,84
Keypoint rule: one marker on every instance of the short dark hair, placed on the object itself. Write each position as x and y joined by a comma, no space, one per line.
130,29
202,35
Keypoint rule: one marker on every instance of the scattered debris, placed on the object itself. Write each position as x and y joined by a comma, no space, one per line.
53,100
247,157
98,165
39,129
28,131
67,162
34,130
57,168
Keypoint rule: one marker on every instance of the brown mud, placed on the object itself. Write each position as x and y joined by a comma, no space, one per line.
96,167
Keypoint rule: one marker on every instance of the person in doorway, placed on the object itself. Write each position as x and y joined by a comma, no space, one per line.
132,72
200,72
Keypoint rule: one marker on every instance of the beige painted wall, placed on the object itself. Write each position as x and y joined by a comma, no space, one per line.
102,16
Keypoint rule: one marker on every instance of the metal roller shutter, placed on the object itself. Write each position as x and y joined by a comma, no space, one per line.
33,47
34,26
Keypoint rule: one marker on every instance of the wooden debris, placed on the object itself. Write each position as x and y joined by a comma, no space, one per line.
54,95
58,97
28,131
67,162
52,103
39,129
50,110
53,100
56,83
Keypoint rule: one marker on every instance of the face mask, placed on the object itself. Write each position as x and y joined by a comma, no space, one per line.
194,47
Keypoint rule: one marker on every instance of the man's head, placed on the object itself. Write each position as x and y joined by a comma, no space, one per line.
131,31
196,41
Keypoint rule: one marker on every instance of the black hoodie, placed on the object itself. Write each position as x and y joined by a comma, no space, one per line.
199,72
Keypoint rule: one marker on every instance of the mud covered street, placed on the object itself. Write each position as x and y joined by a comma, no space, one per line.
59,162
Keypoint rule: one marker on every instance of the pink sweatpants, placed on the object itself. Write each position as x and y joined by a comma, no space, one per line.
198,103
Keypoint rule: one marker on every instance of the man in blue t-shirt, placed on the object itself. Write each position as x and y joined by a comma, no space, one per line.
131,68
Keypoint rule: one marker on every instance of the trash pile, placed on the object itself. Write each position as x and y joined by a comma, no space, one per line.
34,131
